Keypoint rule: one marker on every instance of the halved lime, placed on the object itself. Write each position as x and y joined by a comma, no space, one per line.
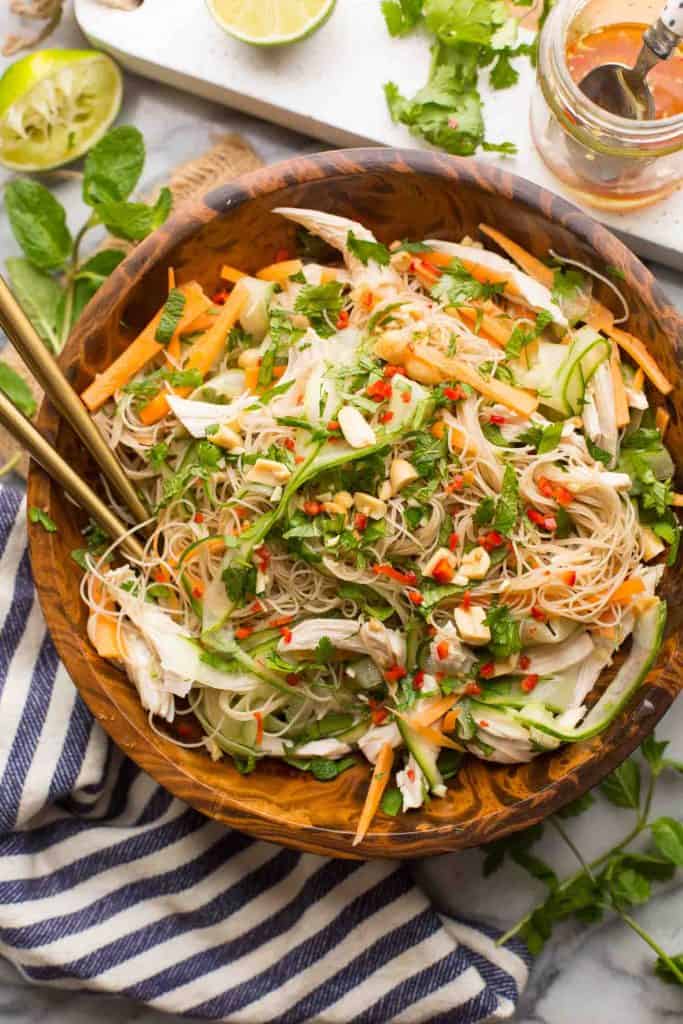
55,105
270,22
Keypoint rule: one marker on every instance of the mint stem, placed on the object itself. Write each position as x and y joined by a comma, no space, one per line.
71,283
646,937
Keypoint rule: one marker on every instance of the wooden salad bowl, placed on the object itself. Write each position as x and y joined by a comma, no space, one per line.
399,194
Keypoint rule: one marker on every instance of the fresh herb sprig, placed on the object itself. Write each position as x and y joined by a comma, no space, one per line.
469,35
51,281
618,879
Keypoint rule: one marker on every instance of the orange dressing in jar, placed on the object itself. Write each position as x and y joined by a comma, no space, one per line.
620,44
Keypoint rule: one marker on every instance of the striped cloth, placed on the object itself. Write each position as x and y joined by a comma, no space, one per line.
109,884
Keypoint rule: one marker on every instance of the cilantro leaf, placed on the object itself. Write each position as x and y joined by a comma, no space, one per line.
240,581
38,515
366,251
401,16
470,21
457,286
505,634
503,75
322,305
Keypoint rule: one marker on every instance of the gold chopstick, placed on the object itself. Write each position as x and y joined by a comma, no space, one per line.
45,369
23,431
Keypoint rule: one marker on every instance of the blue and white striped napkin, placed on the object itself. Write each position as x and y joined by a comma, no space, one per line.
109,884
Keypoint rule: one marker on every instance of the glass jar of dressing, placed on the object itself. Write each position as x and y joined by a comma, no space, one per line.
607,161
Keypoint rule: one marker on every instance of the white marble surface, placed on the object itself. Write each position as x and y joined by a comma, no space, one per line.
596,976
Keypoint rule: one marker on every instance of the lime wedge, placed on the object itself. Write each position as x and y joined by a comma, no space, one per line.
55,105
270,22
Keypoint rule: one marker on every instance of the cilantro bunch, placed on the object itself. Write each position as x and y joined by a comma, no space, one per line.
469,35
50,281
616,881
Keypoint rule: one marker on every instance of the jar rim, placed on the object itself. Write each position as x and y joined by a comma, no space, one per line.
556,30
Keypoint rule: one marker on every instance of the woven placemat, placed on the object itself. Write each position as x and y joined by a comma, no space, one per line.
229,157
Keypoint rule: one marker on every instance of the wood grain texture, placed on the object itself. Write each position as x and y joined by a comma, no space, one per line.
398,193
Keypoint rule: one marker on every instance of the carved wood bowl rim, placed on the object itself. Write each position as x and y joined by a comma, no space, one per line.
96,680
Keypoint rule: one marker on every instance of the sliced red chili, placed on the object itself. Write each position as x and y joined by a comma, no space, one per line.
467,600
242,632
529,682
415,597
408,578
395,673
524,662
538,614
473,690
289,444
497,419
360,521
487,670
454,394
343,320
386,417
390,371
443,572
199,518
491,540
453,541
312,508
379,390
419,680
442,650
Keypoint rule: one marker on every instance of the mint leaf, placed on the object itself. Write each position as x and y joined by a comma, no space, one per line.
17,390
366,251
324,769
628,888
401,15
134,221
170,317
40,297
667,834
622,787
392,802
550,438
653,751
38,222
576,807
663,969
37,515
91,275
507,506
113,166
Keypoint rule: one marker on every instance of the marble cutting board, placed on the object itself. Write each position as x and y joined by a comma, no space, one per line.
330,86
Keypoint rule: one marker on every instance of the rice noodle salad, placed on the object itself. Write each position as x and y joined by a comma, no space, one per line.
406,502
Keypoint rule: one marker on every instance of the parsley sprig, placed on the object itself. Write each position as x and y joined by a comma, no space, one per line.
617,880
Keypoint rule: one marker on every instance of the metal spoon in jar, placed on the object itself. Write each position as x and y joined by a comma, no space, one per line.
623,91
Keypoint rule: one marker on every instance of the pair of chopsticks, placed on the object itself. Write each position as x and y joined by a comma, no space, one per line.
44,368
